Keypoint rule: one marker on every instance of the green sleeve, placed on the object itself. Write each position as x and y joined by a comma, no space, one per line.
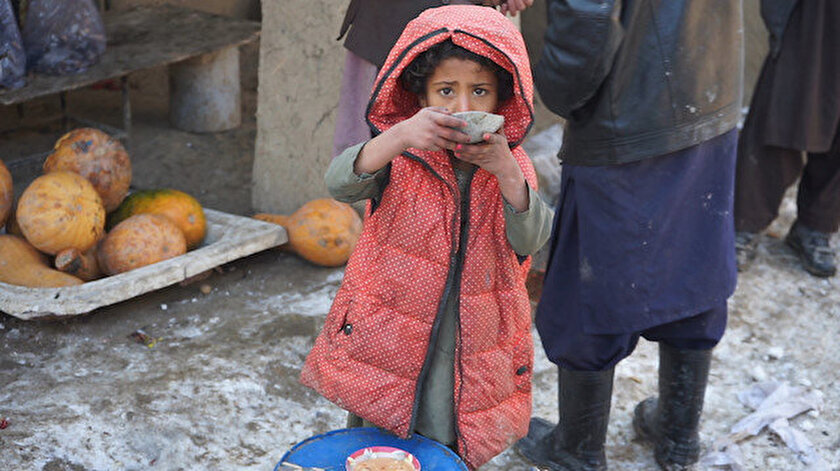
529,230
343,183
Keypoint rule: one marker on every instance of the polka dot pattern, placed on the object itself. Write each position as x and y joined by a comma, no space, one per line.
371,351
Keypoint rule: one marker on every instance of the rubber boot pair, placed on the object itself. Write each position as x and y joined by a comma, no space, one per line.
576,443
672,420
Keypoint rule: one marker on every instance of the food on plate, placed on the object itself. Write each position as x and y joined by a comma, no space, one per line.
382,458
383,464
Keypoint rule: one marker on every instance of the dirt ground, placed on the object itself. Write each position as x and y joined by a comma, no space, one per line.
218,387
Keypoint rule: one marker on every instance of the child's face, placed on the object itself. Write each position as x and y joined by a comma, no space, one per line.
462,85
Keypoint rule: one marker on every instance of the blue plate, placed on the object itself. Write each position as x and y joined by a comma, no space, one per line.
330,450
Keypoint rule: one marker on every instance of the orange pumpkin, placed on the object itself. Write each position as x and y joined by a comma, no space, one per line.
21,264
322,231
6,193
181,208
98,157
60,210
138,241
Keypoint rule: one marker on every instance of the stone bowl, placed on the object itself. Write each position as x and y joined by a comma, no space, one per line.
479,123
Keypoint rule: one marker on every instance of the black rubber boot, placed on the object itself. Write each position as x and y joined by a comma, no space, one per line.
671,422
576,443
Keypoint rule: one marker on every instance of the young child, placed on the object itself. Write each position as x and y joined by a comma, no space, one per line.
430,332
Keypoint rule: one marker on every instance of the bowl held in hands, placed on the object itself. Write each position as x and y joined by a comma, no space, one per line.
479,123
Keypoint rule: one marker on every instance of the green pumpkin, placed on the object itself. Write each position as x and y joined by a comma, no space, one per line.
181,208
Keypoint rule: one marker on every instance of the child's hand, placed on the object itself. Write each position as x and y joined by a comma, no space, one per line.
429,129
494,156
432,129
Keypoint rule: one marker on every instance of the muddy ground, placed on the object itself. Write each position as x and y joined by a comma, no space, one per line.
218,387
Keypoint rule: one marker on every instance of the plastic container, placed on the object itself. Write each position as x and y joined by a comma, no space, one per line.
330,451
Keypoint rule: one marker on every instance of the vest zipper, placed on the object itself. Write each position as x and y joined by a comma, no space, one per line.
462,251
450,282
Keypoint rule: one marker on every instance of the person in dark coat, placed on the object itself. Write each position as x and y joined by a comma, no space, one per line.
795,108
643,237
370,29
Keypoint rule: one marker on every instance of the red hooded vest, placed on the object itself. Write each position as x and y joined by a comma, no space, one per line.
370,356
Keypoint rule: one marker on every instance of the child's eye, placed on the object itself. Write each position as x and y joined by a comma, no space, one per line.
447,91
480,91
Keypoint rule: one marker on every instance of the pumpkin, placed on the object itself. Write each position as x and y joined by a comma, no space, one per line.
60,210
322,231
98,157
142,239
184,210
79,264
21,264
6,194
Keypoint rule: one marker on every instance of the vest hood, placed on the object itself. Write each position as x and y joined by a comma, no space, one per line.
481,30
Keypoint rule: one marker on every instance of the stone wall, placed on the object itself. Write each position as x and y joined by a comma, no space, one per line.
299,78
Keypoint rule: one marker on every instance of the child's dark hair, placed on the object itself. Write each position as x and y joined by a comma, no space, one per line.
417,73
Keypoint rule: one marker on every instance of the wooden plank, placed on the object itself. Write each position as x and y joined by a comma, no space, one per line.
229,237
142,38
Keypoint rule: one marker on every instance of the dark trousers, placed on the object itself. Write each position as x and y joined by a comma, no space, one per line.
762,176
763,173
580,351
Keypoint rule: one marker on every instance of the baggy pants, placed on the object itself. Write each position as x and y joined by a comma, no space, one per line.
763,174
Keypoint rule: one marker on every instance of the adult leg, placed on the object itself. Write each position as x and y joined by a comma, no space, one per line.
671,421
586,362
818,214
576,442
586,365
818,199
762,173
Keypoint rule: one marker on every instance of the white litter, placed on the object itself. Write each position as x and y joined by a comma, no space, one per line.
773,404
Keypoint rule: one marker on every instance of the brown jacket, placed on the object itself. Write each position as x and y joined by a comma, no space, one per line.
376,24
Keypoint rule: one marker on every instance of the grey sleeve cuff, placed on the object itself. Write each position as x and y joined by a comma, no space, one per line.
343,183
528,230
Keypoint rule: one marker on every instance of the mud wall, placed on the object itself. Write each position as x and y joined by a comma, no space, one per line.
299,77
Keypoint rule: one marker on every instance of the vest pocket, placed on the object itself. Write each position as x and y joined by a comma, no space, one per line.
336,329
345,331
523,364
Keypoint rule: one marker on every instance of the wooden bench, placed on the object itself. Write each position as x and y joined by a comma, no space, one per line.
140,38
